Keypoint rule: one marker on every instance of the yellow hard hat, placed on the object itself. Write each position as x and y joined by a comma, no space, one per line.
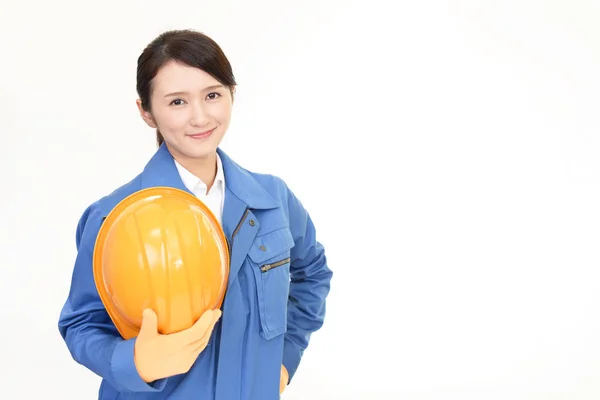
160,248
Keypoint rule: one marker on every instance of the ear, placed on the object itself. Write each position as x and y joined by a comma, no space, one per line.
146,115
233,88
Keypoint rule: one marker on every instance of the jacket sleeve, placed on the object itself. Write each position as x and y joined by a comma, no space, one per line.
309,285
85,326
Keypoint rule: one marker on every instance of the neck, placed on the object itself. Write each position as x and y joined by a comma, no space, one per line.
204,168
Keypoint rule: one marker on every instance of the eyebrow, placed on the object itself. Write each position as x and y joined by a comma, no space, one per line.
213,87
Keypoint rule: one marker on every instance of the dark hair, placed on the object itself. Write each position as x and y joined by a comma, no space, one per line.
185,46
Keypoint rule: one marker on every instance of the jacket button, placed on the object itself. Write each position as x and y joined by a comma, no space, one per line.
263,248
251,222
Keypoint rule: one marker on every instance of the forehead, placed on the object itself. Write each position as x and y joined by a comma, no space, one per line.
175,76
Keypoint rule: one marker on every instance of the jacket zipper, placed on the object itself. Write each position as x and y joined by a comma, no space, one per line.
268,267
237,229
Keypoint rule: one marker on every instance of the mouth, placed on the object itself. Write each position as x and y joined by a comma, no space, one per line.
202,135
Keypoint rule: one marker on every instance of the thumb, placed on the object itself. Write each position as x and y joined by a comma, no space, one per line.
149,323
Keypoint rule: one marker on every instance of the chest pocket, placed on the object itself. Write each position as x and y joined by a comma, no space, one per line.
270,261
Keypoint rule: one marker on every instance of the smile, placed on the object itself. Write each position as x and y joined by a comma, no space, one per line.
202,135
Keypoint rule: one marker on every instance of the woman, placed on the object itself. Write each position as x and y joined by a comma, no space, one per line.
186,86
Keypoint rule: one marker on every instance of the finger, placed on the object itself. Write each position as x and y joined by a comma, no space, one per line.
149,323
207,332
189,335
199,345
200,330
197,330
203,340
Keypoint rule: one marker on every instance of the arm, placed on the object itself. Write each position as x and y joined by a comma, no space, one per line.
309,287
85,326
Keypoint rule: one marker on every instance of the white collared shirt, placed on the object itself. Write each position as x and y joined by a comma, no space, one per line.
215,197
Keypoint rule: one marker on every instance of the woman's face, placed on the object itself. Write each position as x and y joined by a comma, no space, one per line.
190,108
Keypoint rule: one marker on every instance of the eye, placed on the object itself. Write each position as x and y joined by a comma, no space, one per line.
213,95
177,102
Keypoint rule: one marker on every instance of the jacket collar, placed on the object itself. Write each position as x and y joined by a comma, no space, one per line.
162,171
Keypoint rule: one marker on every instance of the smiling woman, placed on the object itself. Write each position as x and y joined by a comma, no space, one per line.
278,277
186,95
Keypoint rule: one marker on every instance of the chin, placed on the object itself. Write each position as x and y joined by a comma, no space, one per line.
200,151
194,152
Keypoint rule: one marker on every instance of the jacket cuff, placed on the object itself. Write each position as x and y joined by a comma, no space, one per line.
125,372
292,355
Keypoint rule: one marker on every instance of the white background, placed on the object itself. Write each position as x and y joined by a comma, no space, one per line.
447,151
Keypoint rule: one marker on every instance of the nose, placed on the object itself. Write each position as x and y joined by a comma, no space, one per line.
200,116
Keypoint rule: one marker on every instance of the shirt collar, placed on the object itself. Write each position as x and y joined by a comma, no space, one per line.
160,170
193,183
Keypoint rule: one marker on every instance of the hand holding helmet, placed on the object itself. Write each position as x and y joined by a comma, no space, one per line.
160,356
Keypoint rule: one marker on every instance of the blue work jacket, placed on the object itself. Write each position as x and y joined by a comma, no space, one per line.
267,318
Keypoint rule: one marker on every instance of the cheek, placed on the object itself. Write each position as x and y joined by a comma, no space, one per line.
172,120
223,113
